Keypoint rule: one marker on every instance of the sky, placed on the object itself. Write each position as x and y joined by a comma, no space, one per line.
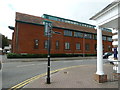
78,10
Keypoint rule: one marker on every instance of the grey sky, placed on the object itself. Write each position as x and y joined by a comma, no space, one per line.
79,10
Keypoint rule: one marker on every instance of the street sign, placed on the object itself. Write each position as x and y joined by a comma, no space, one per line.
48,33
56,32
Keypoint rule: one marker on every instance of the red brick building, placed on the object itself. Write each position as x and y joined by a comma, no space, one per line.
75,38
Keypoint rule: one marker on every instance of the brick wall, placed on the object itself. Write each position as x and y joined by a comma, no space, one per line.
25,34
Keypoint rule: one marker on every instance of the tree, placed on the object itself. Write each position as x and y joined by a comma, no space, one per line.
5,41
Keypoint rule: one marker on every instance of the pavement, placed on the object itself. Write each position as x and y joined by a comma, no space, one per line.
76,77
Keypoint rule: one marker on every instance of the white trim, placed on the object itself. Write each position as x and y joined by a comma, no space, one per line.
108,20
100,14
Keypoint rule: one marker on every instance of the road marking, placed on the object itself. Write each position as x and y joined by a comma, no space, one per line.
22,84
25,65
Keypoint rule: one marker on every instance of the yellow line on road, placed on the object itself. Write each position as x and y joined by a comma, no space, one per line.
41,75
38,76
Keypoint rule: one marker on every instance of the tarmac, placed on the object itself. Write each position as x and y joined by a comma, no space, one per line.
76,77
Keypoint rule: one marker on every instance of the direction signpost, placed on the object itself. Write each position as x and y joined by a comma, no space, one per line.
48,33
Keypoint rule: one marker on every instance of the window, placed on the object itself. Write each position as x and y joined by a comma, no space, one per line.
109,48
88,36
67,33
95,37
72,22
59,19
36,44
68,21
46,44
87,47
78,34
57,44
80,24
109,38
77,46
53,18
67,45
63,20
103,37
77,23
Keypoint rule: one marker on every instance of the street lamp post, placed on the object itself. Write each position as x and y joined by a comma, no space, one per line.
48,33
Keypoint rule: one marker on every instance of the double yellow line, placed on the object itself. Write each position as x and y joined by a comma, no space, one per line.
20,85
26,82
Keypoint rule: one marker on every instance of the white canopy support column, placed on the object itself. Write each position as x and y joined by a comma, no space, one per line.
107,18
99,76
99,52
118,71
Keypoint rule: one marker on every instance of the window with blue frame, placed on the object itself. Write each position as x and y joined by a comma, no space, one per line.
67,45
67,33
78,34
109,38
104,37
88,36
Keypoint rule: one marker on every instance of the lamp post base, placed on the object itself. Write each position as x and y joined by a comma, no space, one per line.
100,78
48,81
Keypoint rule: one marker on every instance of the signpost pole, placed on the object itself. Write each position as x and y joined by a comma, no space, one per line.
48,33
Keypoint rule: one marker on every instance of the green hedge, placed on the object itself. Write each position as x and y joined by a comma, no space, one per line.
14,55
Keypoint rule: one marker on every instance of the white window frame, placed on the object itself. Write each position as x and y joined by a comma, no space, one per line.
67,45
78,46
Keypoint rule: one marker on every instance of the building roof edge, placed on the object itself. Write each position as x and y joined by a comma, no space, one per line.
111,5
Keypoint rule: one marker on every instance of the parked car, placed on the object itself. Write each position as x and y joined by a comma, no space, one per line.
111,59
7,51
107,54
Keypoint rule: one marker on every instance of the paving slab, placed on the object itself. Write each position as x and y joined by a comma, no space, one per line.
77,77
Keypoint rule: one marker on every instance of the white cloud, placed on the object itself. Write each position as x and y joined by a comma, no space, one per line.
7,18
79,10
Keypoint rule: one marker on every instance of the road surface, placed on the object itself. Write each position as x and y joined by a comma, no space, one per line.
15,72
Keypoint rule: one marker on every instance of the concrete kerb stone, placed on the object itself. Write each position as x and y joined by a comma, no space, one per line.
45,59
